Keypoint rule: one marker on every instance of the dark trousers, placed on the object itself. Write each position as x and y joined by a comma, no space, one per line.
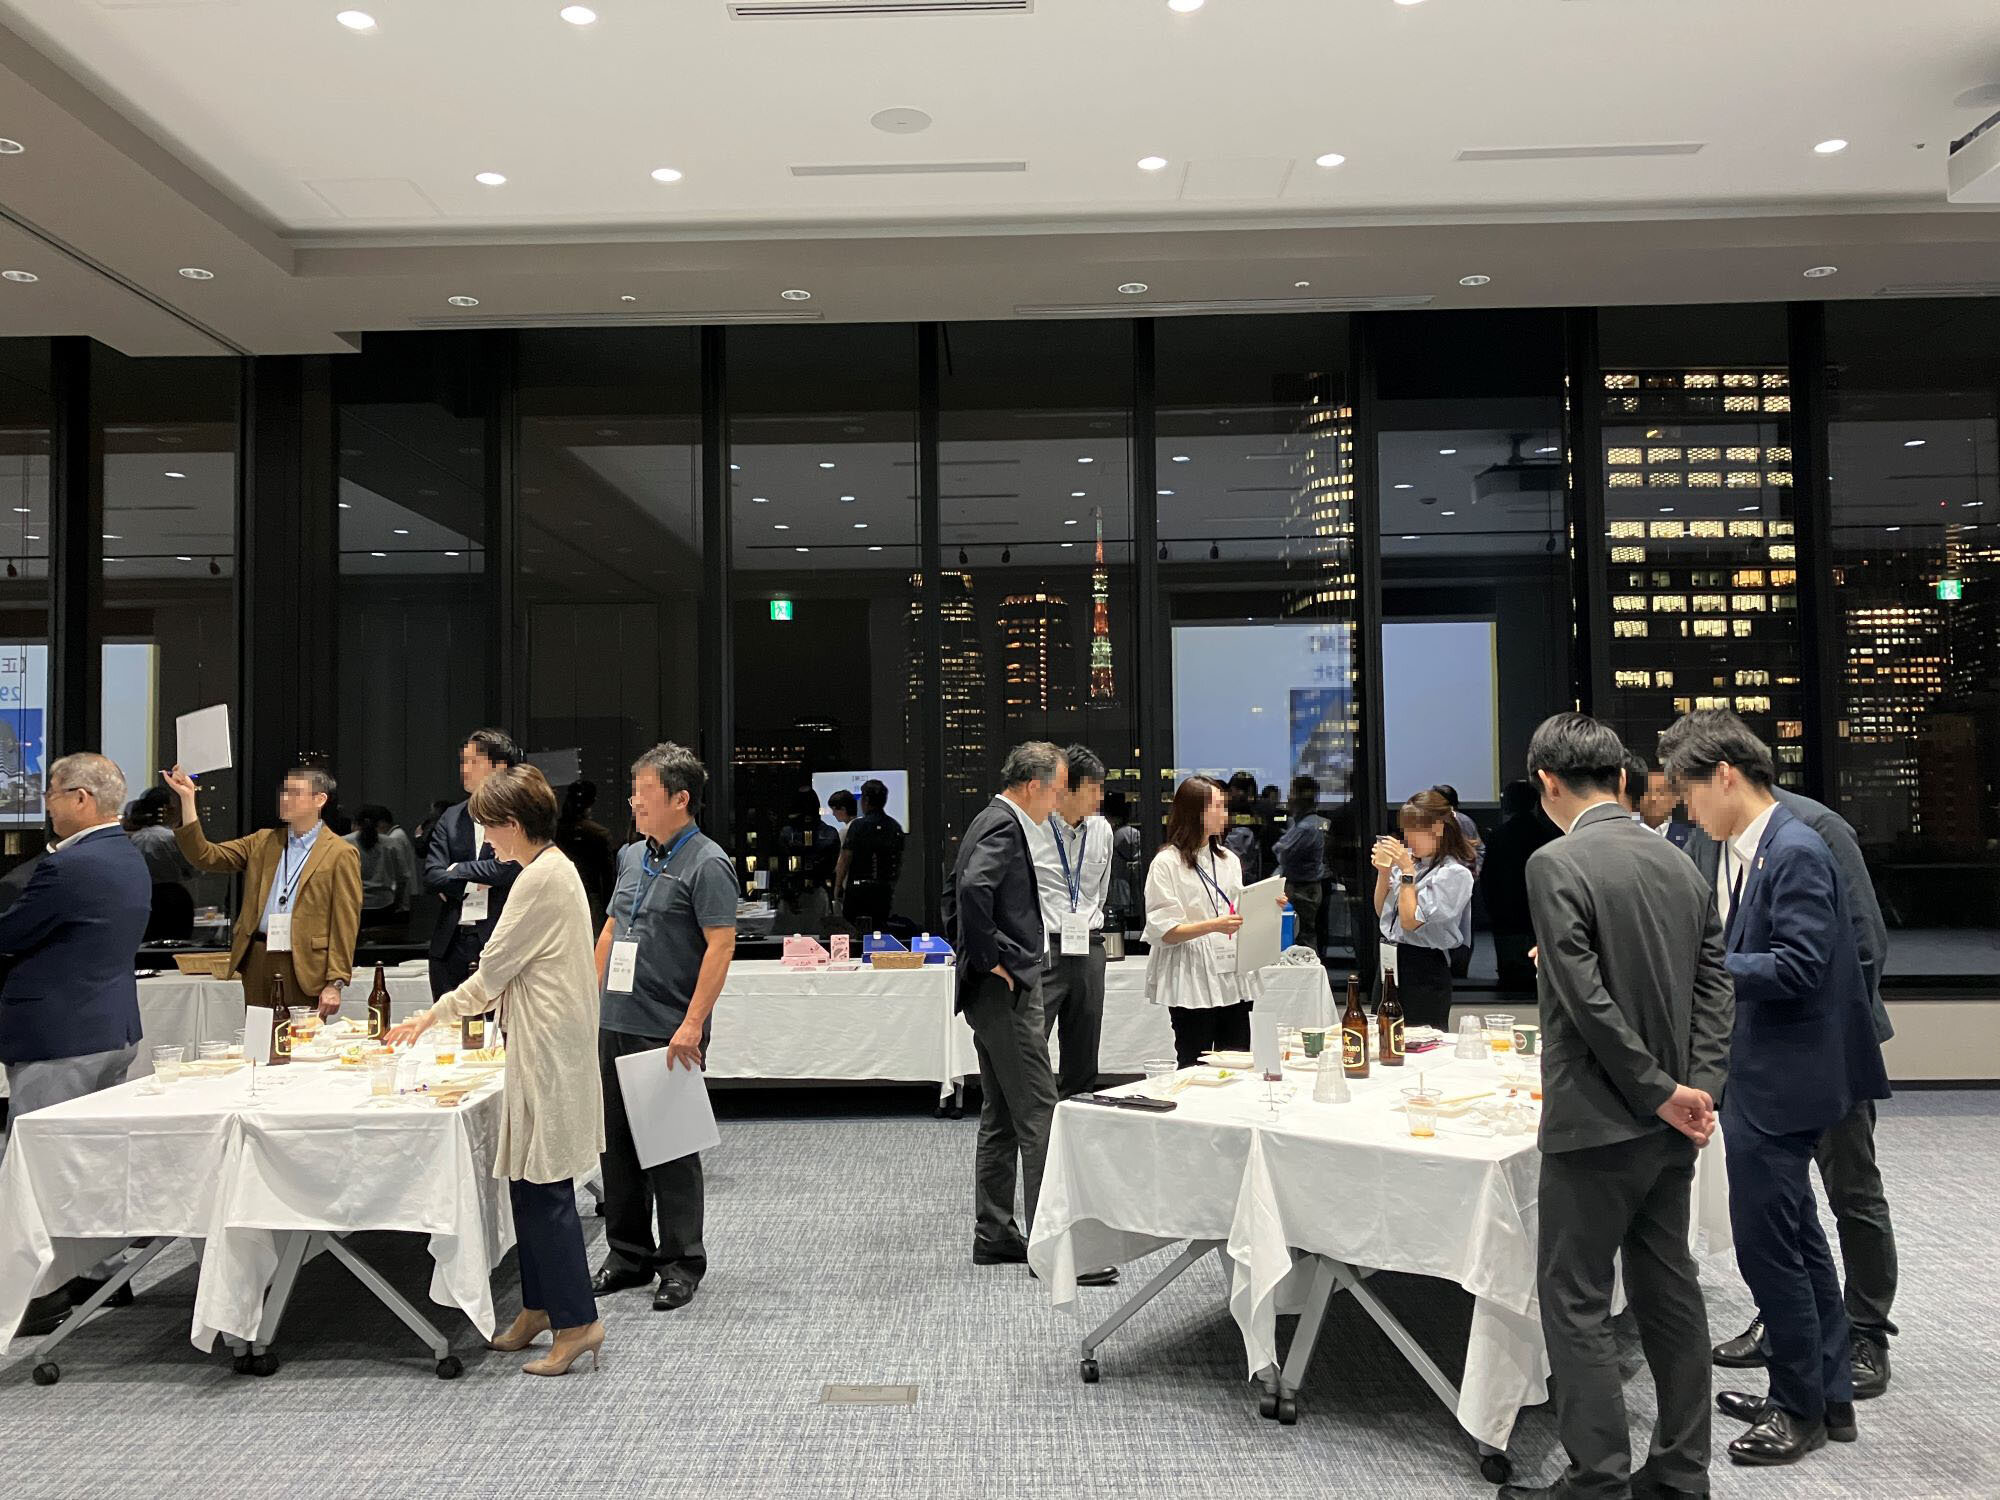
455,966
1073,1000
1783,1255
555,1273
1846,1157
1631,1200
635,1195
1199,1029
1017,1102
1423,984
1305,896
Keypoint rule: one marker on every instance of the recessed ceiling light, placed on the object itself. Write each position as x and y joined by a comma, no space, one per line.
1813,273
10,148
628,297
1330,159
1446,452
1166,492
802,549
1914,443
1069,544
1892,528
490,179
1185,7
402,530
666,174
796,294
1182,458
1406,486
112,536
178,558
1666,510
1447,512
1470,280
196,273
860,525
1412,537
356,20
760,499
1151,163
33,537
781,526
1132,288
737,467
378,554
175,474
23,510
345,506
1086,460
1745,509
1300,285
1070,522
1831,147
1409,2
874,549
1548,450
578,15
24,277
846,499
825,465
451,554
463,301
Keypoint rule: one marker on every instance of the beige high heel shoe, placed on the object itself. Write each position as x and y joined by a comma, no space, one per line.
529,1325
571,1344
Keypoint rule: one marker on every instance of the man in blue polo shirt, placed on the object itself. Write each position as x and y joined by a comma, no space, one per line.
661,959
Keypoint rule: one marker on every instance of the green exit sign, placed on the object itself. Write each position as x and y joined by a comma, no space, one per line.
1951,588
781,609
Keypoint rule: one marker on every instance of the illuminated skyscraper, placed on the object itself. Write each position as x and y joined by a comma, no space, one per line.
1320,529
1038,655
959,683
1103,688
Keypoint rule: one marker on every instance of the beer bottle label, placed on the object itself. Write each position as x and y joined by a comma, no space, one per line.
1354,1046
1396,1038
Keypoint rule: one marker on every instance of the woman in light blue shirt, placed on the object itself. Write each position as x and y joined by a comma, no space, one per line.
1423,885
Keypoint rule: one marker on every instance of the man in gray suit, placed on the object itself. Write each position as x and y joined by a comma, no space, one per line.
1636,1008
1846,1153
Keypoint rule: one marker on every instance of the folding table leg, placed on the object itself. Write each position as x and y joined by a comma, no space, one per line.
1179,1267
1352,1283
46,1371
448,1366
1282,1404
293,1245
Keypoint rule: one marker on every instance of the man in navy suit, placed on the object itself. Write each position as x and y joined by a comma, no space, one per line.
459,867
69,1010
1656,810
1803,1053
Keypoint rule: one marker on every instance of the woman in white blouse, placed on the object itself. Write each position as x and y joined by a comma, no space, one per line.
539,971
1192,891
1422,889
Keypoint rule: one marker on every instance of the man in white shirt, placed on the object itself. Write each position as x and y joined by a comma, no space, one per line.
1073,873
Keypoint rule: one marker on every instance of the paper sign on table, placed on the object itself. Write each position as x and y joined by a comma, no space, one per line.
667,1107
1266,1056
201,740
1261,937
257,1033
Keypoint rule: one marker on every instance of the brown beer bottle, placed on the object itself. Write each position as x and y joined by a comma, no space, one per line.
281,1021
1389,1024
472,1029
1354,1032
378,1005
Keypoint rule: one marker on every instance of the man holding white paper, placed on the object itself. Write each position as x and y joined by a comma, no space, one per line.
662,957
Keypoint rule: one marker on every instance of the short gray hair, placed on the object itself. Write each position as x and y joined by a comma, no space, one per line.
1581,753
676,768
1705,739
1032,760
319,778
91,773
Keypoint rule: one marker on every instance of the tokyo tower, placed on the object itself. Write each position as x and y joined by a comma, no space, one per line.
1103,688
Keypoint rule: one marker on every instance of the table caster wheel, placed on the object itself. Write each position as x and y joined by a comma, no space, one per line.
47,1373
1495,1468
1288,1412
262,1365
449,1368
1267,1405
1088,1370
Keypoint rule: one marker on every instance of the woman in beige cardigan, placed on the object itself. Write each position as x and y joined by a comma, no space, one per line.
538,970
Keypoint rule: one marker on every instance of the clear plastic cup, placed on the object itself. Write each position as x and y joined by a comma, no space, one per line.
1471,1039
236,1043
382,1076
167,1064
212,1052
1160,1067
1500,1033
1422,1109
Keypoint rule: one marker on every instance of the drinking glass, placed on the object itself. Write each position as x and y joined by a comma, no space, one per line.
382,1076
1422,1109
1500,1033
1471,1040
1160,1067
212,1052
167,1064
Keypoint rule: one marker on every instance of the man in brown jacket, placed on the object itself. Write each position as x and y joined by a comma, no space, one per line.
301,893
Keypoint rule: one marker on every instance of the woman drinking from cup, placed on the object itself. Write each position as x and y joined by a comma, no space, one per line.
1423,885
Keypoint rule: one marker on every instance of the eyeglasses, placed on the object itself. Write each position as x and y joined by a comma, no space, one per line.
63,791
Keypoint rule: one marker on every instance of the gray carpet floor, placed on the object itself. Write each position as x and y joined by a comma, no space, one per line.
838,1229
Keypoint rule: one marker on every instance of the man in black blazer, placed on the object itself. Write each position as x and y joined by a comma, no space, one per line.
1635,1006
993,916
69,1010
1803,1054
459,867
1846,1153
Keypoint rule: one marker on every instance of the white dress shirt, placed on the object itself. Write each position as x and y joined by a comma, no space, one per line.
1036,838
1738,854
1199,974
1088,848
84,833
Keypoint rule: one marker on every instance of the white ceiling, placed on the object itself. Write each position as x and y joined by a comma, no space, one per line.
326,177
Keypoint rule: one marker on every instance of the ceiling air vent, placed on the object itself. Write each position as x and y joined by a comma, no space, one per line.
1128,308
615,320
1941,289
807,10
904,168
1578,153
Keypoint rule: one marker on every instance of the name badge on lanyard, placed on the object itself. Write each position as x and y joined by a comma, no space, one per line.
278,933
475,907
278,930
622,971
624,965
1074,937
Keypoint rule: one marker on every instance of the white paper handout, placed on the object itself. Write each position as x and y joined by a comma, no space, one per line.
201,740
1266,1055
666,1106
1257,941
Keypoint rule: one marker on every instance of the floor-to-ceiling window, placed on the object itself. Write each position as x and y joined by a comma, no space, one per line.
1258,567
824,559
27,412
1914,475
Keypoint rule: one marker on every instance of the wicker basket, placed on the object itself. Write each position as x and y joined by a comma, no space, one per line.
203,965
898,961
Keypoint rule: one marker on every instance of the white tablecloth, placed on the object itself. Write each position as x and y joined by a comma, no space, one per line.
1135,1031
205,1160
1346,1181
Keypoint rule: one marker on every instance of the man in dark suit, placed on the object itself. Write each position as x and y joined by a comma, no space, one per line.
1802,1056
69,1010
1635,1007
460,868
1656,810
1846,1153
993,915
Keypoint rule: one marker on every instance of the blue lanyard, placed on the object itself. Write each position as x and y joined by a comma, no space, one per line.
1214,885
651,872
1074,882
286,887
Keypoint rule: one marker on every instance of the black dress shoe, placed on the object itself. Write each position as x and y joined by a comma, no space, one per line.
608,1280
44,1314
1106,1277
674,1292
1778,1437
1556,1491
1871,1368
80,1289
1745,1351
1840,1424
1015,1254
1645,1487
